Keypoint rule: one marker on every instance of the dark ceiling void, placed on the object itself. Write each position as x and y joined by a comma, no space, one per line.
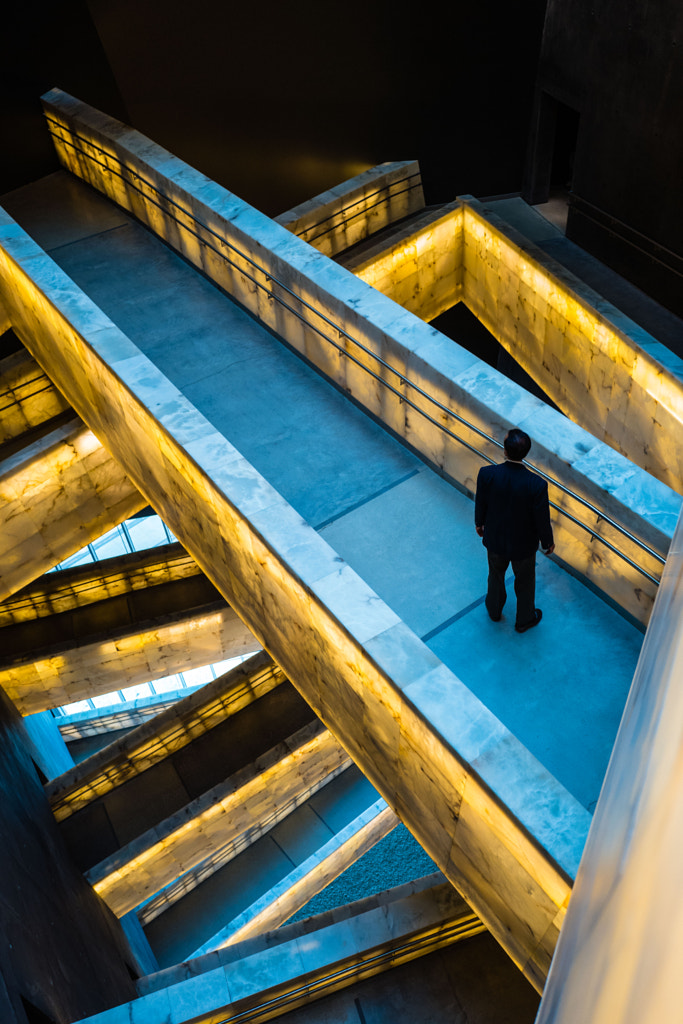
278,102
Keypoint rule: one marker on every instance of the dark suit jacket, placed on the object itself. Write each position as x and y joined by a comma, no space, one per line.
512,506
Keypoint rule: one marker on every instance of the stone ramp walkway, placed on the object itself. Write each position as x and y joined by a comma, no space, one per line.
403,528
655,318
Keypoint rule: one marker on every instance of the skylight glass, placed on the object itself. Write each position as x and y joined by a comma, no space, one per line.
138,534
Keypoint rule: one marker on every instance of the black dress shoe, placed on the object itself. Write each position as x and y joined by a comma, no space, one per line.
538,615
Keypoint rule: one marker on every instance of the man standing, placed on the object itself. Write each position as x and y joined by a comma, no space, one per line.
512,515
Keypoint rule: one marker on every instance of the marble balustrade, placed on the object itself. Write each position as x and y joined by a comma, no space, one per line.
601,369
596,364
231,979
297,888
357,208
468,790
419,264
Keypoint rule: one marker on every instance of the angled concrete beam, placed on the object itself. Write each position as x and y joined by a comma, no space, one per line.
56,495
171,732
168,732
117,717
352,211
297,888
90,584
107,625
247,803
299,963
141,651
28,398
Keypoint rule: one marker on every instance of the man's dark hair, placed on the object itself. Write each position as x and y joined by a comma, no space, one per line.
517,444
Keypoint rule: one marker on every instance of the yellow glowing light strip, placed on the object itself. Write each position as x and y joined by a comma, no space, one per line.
151,750
320,875
120,888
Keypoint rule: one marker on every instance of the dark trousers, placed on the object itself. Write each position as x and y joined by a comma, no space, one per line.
525,586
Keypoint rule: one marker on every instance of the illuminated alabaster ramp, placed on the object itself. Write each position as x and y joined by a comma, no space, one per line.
59,487
94,629
276,520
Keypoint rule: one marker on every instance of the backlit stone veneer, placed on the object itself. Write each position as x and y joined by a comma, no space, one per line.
29,398
604,371
358,208
56,495
469,791
503,830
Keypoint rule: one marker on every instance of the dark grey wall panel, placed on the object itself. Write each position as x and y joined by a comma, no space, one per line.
60,948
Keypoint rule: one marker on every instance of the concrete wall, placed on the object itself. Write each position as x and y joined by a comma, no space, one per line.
350,212
60,949
46,745
617,65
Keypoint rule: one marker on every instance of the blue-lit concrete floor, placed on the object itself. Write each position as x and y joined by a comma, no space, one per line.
560,688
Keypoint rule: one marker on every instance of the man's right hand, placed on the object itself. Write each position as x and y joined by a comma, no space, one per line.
549,551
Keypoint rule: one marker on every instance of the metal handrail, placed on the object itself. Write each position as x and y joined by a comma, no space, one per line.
464,928
402,379
382,192
15,391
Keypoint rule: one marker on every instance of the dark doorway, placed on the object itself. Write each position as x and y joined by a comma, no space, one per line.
550,169
34,1015
564,149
